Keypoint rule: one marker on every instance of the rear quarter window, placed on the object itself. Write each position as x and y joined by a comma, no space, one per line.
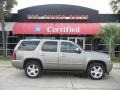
28,45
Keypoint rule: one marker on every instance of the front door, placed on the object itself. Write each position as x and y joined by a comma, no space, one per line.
69,57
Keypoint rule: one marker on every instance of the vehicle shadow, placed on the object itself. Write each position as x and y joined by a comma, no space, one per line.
53,74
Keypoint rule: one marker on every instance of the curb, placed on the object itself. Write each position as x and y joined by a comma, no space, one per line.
116,66
5,66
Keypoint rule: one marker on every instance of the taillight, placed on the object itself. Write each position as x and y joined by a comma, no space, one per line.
14,55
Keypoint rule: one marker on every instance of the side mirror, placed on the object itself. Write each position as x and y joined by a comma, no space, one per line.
78,50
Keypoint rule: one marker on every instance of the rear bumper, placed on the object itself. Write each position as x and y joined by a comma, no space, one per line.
109,67
17,64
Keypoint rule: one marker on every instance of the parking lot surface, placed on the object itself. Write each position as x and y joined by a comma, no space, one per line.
14,79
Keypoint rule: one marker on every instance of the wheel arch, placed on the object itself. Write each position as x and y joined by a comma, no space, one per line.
32,60
97,61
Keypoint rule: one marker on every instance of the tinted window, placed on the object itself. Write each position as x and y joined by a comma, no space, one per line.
0,37
68,47
50,46
1,46
28,45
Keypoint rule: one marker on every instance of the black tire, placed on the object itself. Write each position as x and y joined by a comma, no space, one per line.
35,72
91,74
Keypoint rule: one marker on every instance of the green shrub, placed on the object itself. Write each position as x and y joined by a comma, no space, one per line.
116,60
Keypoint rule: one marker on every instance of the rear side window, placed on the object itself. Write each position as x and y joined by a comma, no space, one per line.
28,45
50,46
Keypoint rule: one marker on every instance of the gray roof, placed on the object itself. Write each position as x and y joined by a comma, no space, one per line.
64,9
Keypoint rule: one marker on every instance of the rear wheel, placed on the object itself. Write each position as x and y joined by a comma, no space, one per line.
96,71
33,69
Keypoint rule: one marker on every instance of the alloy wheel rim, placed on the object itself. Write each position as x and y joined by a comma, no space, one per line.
32,70
96,71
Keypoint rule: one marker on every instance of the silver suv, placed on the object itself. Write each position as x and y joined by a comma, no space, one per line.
36,55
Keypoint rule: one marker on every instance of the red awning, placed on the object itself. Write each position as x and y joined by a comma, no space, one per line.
57,28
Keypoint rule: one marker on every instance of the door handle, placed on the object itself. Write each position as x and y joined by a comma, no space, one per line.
42,54
62,55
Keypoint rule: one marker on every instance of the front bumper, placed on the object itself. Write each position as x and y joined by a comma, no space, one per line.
109,67
17,64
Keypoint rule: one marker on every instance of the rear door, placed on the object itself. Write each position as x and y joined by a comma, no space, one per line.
49,54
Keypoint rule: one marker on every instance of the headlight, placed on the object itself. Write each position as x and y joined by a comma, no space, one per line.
109,59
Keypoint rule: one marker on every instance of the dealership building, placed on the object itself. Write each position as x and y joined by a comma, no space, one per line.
58,21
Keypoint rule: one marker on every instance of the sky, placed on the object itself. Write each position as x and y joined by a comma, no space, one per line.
102,5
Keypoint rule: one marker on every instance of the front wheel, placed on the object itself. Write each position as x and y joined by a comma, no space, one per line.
32,69
96,71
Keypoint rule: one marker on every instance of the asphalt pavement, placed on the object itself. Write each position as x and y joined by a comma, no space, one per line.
15,79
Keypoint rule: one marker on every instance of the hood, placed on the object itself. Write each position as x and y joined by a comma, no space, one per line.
92,55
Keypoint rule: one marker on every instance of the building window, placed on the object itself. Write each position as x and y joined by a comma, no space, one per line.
99,45
1,52
11,42
88,47
117,50
63,37
88,40
1,45
88,43
0,36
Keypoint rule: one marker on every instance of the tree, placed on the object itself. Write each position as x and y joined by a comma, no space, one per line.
110,34
115,4
5,9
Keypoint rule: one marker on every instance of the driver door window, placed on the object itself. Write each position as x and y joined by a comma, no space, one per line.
68,47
